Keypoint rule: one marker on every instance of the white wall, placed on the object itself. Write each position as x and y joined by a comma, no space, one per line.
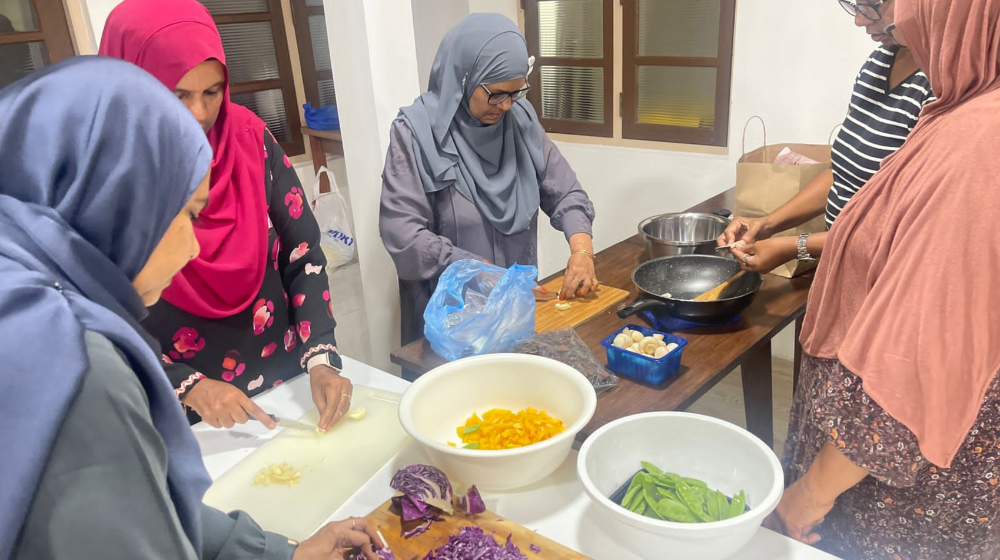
505,7
374,59
97,12
431,20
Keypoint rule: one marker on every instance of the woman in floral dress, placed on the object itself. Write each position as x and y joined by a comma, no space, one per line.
895,437
254,309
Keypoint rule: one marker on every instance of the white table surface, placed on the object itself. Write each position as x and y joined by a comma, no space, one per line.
556,507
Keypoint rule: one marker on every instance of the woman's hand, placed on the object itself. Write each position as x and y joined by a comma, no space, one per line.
330,542
764,256
331,393
581,279
799,512
223,405
747,229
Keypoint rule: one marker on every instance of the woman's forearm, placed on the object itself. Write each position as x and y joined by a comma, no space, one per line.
831,474
804,206
581,242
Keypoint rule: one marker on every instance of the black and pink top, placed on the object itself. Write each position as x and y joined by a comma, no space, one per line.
289,322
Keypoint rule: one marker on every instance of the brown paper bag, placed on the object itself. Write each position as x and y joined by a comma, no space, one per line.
762,187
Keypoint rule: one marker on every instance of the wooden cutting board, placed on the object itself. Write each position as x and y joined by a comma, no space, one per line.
548,318
388,522
333,467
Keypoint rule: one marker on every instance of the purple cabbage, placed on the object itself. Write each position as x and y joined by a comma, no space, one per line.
472,502
383,554
536,549
418,530
411,509
472,543
424,485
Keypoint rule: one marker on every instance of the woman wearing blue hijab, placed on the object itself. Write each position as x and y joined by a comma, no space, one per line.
469,167
104,172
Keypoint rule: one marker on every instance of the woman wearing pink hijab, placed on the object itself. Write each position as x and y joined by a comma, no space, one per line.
254,308
894,450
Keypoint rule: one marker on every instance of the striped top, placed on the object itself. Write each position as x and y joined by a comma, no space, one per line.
876,125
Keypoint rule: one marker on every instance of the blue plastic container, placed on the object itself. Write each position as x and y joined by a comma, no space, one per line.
644,368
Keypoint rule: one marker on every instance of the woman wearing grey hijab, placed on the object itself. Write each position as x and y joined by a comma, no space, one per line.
469,167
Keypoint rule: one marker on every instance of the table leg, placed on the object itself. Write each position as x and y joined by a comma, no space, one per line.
756,369
797,360
319,160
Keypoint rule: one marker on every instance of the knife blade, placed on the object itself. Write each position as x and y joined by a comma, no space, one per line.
292,424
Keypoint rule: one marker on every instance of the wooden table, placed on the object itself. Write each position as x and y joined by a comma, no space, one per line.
711,353
323,143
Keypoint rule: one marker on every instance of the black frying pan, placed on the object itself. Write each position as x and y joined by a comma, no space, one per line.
685,277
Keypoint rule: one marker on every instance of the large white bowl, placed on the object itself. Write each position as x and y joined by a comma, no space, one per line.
441,400
724,456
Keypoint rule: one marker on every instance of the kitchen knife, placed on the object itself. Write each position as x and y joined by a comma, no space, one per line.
293,424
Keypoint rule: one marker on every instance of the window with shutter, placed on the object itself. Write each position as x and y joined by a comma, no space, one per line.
33,34
676,69
260,67
572,82
314,52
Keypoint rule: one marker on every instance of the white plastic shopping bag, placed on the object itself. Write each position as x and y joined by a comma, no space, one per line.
337,239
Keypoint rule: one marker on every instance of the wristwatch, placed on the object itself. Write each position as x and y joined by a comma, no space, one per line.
320,360
804,255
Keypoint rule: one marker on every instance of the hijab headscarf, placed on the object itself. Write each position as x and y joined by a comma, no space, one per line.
496,167
168,38
90,183
905,296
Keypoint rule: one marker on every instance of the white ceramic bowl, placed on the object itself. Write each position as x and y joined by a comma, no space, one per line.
443,398
724,456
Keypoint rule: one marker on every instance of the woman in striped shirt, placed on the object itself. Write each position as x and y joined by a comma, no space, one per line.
889,93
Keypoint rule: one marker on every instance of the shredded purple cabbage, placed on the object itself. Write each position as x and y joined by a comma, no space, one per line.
472,502
384,554
472,543
418,530
424,485
536,549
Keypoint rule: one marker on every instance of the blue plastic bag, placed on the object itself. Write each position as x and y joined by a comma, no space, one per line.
479,308
322,118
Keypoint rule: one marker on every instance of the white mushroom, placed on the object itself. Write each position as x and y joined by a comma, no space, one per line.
671,347
634,348
649,345
658,336
660,352
637,336
622,341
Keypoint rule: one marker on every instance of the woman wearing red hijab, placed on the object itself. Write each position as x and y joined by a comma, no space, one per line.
254,308
894,447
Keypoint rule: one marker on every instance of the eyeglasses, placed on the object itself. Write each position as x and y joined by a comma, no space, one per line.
869,11
890,30
499,97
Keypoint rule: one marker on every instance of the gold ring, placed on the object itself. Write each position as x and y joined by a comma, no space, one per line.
354,523
346,395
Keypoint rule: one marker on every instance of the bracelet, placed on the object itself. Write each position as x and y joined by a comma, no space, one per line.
583,252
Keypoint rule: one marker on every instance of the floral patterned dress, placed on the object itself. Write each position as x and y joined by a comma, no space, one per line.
908,509
289,322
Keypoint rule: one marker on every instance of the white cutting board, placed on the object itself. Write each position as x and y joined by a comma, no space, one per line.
333,467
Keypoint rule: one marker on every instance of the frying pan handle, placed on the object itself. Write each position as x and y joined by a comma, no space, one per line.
723,213
638,306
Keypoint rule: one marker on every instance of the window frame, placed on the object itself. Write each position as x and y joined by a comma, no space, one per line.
718,135
53,31
295,146
606,129
307,58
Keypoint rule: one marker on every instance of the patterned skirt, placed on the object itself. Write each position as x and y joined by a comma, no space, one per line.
908,509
